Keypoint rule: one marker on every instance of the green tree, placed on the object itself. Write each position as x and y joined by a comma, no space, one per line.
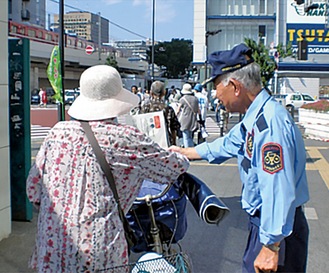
110,60
285,51
175,55
262,57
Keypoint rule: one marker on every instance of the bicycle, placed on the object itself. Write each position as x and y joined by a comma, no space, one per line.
160,221
160,237
158,240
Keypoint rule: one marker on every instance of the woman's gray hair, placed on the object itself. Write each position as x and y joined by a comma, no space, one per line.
248,75
158,88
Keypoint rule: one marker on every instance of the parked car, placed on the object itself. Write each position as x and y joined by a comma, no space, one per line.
35,98
50,93
295,100
70,96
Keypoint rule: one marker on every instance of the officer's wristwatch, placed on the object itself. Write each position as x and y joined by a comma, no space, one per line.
273,247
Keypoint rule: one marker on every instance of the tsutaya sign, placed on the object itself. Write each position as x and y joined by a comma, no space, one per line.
310,26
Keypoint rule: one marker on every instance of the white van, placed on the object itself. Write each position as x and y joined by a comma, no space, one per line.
295,100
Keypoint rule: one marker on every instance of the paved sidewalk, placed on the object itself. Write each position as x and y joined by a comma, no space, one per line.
16,250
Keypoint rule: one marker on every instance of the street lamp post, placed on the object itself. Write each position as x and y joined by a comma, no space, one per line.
153,23
99,36
61,106
209,33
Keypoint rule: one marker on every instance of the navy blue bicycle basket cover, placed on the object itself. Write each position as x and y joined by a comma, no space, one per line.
169,211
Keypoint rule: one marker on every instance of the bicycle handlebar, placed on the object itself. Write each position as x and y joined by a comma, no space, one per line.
150,197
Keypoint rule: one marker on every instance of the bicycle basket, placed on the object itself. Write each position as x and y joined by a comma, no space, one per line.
152,262
169,213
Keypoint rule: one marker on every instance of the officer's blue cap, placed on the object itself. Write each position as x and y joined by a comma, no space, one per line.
198,87
227,61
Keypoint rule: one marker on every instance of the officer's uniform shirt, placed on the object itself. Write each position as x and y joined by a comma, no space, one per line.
271,159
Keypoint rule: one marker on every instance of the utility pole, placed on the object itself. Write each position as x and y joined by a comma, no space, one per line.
208,33
153,24
61,106
99,36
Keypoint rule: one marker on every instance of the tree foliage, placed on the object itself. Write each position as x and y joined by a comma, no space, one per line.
110,60
262,56
284,52
175,55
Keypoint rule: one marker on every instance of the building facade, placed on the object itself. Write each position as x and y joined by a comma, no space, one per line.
134,49
235,20
32,12
86,25
5,204
221,24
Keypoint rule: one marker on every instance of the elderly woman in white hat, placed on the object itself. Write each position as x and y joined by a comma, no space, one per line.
79,228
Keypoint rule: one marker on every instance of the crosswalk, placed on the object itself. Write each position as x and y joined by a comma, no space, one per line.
212,127
40,132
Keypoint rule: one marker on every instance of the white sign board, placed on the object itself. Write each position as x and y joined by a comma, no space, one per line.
296,13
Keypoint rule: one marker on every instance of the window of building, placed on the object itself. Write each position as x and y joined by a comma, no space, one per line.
14,29
262,6
246,7
262,34
40,34
262,31
31,33
48,37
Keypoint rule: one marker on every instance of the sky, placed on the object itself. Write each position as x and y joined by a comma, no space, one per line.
173,18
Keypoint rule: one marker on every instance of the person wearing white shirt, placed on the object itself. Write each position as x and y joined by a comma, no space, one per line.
203,104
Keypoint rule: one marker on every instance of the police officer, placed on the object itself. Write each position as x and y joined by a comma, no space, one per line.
271,160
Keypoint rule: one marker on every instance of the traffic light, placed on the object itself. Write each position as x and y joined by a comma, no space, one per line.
302,50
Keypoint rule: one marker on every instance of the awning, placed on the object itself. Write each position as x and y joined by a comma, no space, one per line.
303,69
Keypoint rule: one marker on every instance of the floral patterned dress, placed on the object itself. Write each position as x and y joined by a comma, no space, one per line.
79,228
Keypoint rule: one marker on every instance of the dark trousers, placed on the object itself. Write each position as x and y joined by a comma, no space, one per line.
293,249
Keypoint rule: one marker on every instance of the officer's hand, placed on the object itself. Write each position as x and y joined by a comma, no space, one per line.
189,152
174,148
266,261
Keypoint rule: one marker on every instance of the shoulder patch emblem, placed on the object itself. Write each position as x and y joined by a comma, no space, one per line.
250,143
272,157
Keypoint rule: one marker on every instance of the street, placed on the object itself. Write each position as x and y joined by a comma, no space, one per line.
214,248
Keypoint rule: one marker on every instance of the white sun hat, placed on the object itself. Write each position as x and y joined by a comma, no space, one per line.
187,89
102,95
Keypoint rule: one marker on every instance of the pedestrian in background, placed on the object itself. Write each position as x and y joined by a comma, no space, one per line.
188,110
203,104
79,227
43,97
133,89
271,161
157,103
146,96
136,110
172,95
221,117
140,93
